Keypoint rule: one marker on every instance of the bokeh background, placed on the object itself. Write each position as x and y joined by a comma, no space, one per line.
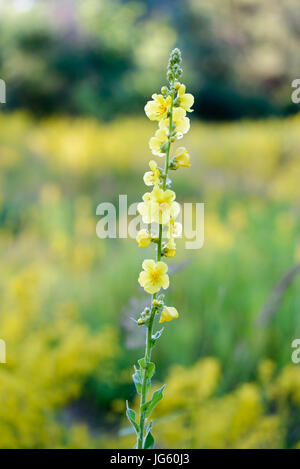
72,135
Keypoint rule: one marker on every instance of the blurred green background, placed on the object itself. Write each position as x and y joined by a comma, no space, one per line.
72,135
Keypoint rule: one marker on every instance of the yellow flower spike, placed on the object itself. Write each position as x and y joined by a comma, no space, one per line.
152,178
158,108
181,122
155,143
159,206
182,157
154,276
168,313
186,100
143,238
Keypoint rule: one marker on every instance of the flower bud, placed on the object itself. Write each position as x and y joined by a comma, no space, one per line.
143,238
168,313
182,158
170,249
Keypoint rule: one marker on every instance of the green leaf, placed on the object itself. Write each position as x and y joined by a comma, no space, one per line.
156,336
150,370
149,367
156,397
131,415
149,439
142,362
148,385
138,380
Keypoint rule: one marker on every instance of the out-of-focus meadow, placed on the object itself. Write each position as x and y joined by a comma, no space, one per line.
67,297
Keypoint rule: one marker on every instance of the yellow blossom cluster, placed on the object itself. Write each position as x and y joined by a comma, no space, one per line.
159,206
48,357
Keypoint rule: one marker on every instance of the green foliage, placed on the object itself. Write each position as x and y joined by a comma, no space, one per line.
149,440
60,281
97,61
156,397
131,415
156,336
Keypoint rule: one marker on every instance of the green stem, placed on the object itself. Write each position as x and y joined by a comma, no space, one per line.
148,347
147,359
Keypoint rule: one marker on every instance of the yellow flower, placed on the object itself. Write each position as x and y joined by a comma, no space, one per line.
154,276
186,100
152,177
143,238
168,313
158,206
157,141
157,109
163,205
145,208
181,122
182,158
170,249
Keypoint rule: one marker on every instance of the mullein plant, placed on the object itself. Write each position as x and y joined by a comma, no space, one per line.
159,207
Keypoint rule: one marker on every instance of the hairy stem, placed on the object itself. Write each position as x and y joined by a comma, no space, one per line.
148,347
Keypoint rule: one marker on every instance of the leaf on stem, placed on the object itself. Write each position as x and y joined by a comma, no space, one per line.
131,415
138,379
149,367
156,397
149,439
156,336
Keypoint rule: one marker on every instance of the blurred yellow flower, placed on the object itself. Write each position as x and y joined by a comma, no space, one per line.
152,177
154,277
181,122
186,100
164,206
143,238
145,209
159,206
182,158
158,108
168,313
170,249
155,143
